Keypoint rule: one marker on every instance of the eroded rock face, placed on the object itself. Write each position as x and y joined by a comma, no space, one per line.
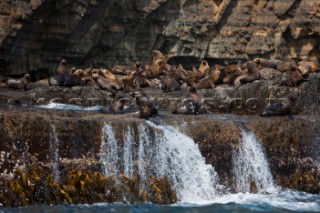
28,143
34,34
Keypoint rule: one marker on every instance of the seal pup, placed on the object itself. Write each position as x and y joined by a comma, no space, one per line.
284,107
20,83
252,75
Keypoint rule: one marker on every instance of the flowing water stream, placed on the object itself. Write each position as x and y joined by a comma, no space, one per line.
163,151
251,169
54,157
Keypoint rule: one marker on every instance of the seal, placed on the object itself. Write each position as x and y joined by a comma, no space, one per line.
61,70
283,107
154,68
156,55
110,78
100,81
83,75
252,75
187,109
294,79
209,81
195,98
232,73
265,63
20,83
147,107
305,67
3,82
286,65
169,83
64,80
117,104
203,66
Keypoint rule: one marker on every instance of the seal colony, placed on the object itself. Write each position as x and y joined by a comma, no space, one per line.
159,74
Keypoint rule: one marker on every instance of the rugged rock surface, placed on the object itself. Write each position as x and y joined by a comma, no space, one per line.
33,34
27,142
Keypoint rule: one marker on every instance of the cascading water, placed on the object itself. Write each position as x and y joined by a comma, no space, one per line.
162,151
109,151
179,158
128,153
54,145
250,165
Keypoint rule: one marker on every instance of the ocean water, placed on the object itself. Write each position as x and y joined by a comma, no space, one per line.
282,201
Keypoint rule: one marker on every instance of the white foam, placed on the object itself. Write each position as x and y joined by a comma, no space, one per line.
60,106
287,199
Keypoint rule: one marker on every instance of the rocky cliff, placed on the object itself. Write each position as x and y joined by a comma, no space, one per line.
35,33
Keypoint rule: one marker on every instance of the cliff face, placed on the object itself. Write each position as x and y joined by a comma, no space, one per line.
35,33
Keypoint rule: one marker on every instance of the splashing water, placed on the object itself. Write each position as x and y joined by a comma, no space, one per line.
250,165
179,159
54,145
162,151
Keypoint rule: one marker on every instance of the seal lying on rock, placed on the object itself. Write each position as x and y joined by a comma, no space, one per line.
287,65
294,79
284,107
252,75
265,63
209,81
305,67
64,80
20,83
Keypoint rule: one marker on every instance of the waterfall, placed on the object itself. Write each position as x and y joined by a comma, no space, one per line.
250,166
160,151
109,151
179,159
54,148
128,153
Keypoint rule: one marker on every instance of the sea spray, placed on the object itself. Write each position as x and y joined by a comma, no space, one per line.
161,151
250,166
54,150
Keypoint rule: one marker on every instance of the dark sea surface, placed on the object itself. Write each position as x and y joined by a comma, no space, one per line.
283,201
